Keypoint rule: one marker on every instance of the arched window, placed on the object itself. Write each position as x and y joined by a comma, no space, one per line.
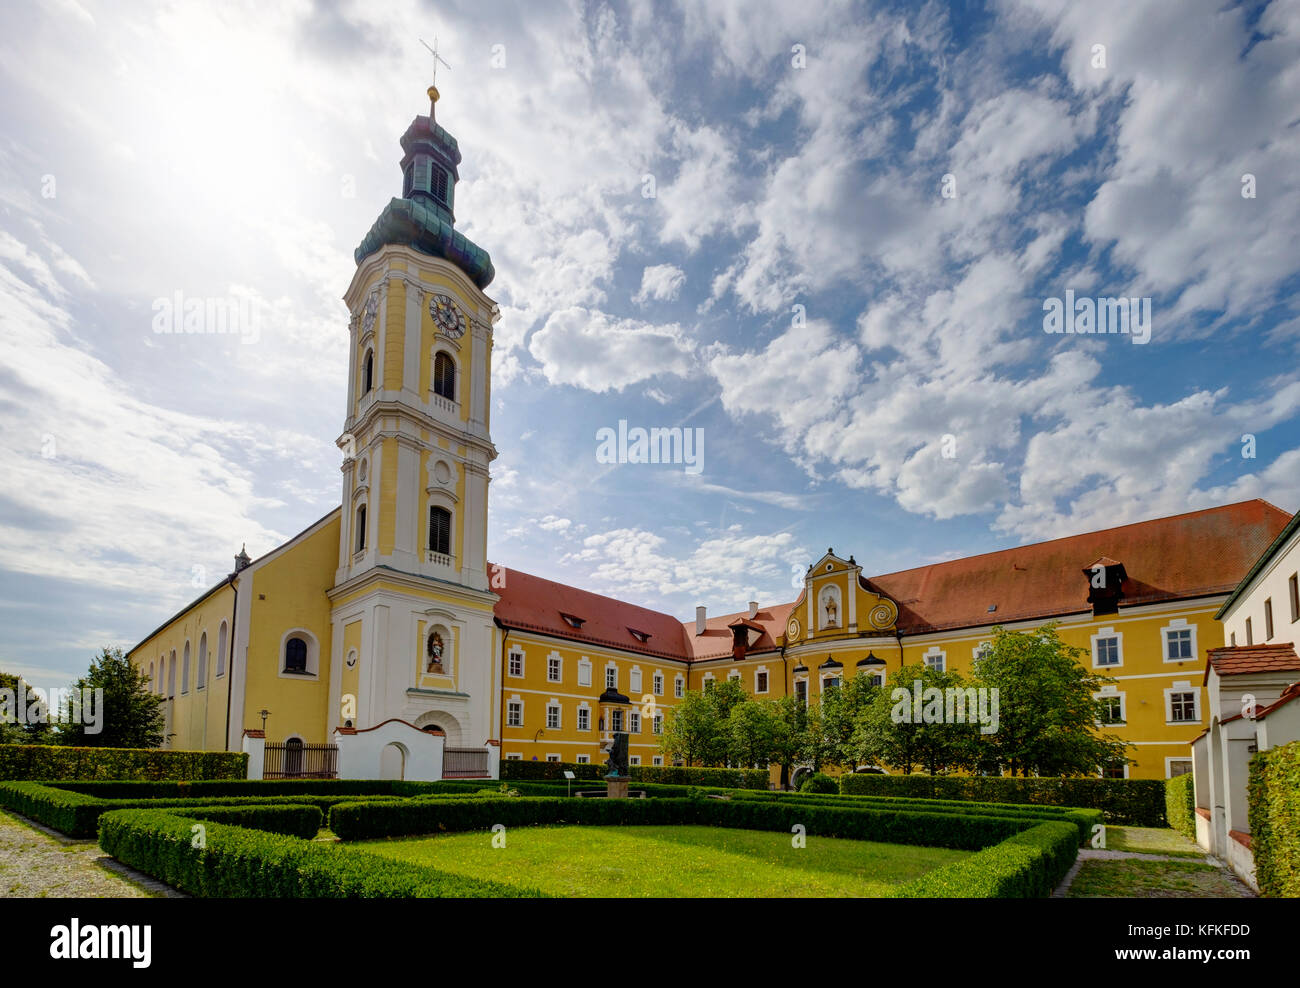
293,756
185,671
202,678
171,676
153,680
361,528
444,376
221,650
295,655
368,372
161,681
440,530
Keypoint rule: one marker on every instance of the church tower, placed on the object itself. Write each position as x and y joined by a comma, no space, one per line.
411,604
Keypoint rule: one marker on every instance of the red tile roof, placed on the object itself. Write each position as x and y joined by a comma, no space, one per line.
1183,556
1189,555
1236,660
530,603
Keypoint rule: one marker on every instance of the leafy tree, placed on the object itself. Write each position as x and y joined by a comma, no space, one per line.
789,734
889,732
14,729
693,731
1047,712
841,708
131,716
751,730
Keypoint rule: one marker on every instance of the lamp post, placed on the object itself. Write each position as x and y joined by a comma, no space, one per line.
264,713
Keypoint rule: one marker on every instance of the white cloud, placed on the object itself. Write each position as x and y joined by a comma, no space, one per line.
662,282
598,352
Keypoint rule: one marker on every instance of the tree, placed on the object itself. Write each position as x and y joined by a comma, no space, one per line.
841,708
693,731
1047,711
24,718
751,729
890,732
789,734
129,714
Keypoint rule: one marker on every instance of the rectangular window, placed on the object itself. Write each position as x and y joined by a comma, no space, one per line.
634,723
439,530
552,758
516,663
611,678
935,661
830,683
1178,643
634,681
552,716
656,760
658,723
1250,633
514,756
679,687
584,673
584,759
1179,766
514,714
1114,770
801,690
1112,709
616,720
1182,707
1293,589
658,682
1268,619
734,677
1107,652
584,719
553,668
760,682
634,759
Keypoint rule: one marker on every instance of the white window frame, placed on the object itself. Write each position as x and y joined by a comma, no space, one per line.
633,760
584,671
1119,648
935,652
634,681
515,701
657,683
553,756
762,670
556,660
1169,764
657,761
1182,687
979,649
1102,775
553,706
634,722
807,693
1108,692
679,686
611,667
515,756
657,722
584,759
583,708
515,653
1177,624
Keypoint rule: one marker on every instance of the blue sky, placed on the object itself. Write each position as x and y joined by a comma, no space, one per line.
799,155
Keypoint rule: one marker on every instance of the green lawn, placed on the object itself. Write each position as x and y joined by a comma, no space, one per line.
1151,840
1134,878
678,862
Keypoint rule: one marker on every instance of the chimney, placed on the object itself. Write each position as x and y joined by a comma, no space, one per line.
753,609
699,619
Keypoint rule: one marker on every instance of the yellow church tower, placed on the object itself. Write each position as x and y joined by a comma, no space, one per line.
411,606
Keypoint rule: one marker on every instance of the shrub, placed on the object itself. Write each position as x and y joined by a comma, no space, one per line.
42,761
1273,810
240,863
819,784
1132,802
1180,804
1029,864
293,819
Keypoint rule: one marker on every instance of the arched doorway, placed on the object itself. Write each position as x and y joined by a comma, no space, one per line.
293,758
392,761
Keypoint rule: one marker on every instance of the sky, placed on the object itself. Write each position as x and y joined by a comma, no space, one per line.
825,234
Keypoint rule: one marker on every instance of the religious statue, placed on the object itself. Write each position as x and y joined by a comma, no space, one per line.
616,765
435,652
830,612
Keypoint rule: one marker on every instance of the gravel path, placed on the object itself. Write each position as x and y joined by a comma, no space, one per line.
36,863
1091,854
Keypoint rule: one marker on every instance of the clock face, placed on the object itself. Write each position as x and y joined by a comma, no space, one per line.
372,310
446,316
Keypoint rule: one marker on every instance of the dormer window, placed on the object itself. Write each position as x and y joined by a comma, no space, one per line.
572,621
641,636
1105,582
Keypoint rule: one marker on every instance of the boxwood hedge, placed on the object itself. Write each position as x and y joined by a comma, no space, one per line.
1026,865
1180,804
44,761
236,862
1132,802
735,778
1273,811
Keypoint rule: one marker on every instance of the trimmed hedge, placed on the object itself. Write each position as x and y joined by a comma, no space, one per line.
354,821
735,778
77,814
1273,810
1027,865
46,761
291,819
241,863
1130,802
1180,804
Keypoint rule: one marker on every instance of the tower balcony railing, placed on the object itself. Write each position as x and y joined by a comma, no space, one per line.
444,404
438,558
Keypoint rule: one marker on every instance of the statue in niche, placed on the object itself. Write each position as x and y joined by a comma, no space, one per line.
830,611
435,652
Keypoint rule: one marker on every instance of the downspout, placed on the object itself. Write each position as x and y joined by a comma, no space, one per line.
230,662
501,697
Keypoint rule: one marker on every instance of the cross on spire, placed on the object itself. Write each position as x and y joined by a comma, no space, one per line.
436,58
